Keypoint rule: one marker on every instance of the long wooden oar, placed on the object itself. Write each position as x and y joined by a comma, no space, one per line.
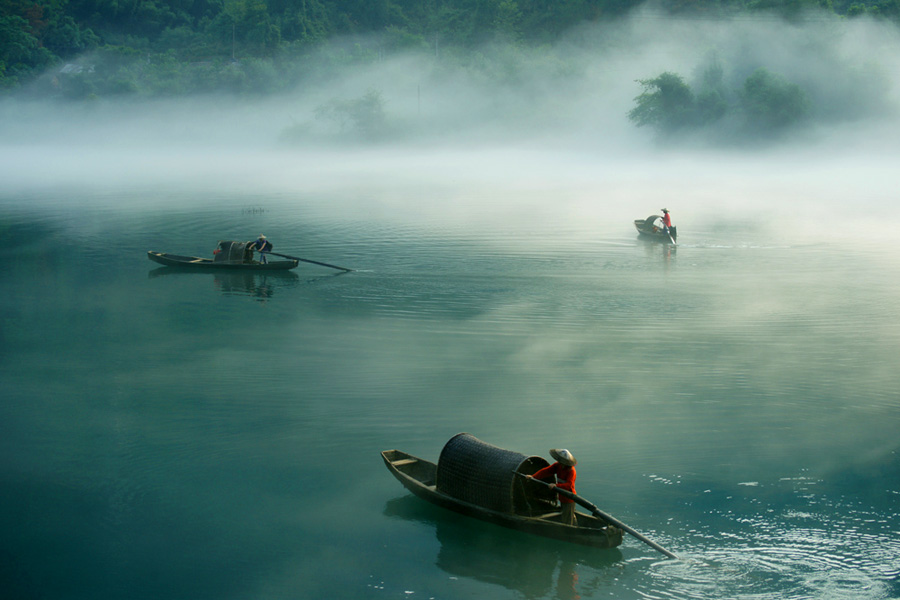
315,262
602,515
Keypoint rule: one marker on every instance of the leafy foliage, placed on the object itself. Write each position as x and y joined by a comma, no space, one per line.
363,117
770,102
84,49
766,105
37,33
667,104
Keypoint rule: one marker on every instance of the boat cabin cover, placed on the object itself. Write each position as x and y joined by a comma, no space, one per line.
233,253
484,475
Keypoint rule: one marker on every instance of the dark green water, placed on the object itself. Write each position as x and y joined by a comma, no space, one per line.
186,436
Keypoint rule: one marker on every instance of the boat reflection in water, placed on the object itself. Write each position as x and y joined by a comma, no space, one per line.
533,566
261,285
654,250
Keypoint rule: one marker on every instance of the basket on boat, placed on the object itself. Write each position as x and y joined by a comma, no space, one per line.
484,475
232,252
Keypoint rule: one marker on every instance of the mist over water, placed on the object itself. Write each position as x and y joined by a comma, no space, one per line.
496,115
174,435
548,124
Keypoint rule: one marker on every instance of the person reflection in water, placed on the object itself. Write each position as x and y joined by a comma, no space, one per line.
263,246
567,582
564,470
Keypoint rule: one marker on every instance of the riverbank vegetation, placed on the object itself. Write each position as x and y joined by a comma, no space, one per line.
108,47
82,50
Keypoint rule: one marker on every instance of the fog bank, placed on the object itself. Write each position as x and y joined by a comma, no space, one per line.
549,124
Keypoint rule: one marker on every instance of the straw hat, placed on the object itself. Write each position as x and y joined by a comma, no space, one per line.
665,210
262,237
564,456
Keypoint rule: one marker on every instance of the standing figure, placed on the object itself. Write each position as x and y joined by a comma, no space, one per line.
667,221
263,246
564,470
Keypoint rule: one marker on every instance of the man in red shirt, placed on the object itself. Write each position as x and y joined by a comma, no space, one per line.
564,470
667,220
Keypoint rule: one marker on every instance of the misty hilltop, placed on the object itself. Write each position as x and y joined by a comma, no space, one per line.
205,36
714,71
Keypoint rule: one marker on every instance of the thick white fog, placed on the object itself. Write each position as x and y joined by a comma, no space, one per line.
549,125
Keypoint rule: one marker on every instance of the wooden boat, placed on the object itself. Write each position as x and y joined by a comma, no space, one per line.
175,260
228,255
482,481
652,228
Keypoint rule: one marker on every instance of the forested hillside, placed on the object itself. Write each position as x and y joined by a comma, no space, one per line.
89,48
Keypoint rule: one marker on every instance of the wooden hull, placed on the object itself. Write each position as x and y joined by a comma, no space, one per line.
174,260
418,476
647,230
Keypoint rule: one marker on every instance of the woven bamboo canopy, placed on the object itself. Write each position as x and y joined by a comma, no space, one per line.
484,475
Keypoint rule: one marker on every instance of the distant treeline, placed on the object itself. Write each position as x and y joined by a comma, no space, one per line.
162,47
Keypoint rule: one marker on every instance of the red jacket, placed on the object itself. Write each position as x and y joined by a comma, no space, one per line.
565,478
667,220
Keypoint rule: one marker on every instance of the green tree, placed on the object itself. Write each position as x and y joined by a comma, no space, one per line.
151,17
305,21
20,52
508,19
397,38
258,28
772,103
789,9
65,38
364,116
712,100
667,104
248,24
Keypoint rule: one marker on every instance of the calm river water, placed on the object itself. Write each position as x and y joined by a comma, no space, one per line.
194,435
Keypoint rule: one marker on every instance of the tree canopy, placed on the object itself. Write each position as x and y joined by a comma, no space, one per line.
35,34
767,104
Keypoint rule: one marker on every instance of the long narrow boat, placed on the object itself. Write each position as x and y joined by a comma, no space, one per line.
479,480
174,260
228,255
651,228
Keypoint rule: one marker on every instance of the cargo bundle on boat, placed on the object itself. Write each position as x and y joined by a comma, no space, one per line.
483,481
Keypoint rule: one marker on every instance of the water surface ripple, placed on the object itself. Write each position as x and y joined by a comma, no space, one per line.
194,435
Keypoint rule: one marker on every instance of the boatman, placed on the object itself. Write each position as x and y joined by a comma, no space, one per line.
564,470
667,221
263,246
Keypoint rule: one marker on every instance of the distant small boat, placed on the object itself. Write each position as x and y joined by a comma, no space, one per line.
652,228
228,255
483,481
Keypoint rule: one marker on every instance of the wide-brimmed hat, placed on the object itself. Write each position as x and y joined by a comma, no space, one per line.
664,209
564,456
262,237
